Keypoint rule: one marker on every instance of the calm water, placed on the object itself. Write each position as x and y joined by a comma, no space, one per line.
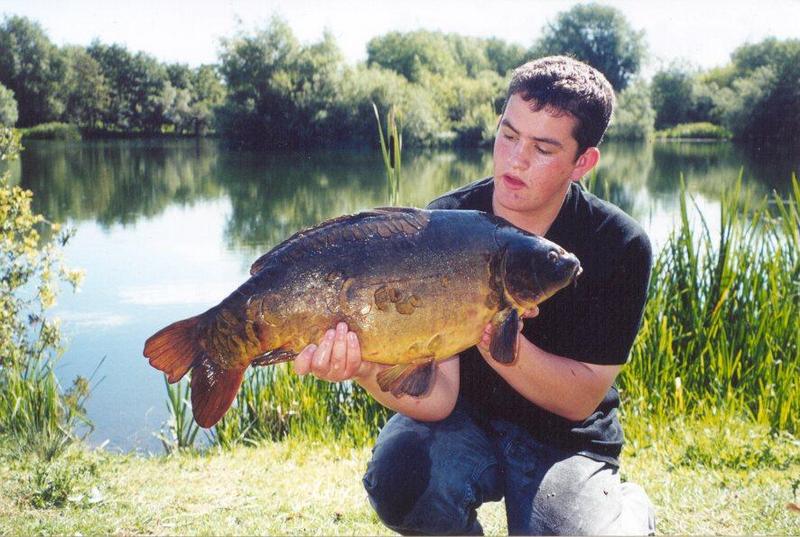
167,229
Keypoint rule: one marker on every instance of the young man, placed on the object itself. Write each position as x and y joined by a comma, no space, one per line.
541,432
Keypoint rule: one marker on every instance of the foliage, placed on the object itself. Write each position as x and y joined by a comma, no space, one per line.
633,117
136,83
32,68
181,427
278,90
85,91
68,479
274,403
598,35
52,131
672,96
762,100
694,353
8,107
414,53
34,410
702,130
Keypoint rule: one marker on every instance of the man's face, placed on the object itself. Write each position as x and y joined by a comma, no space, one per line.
534,158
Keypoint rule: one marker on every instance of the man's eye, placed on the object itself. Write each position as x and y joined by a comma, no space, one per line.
542,151
509,136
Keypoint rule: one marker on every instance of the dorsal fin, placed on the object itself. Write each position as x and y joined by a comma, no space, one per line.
383,221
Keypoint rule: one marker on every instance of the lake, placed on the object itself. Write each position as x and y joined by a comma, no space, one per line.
165,229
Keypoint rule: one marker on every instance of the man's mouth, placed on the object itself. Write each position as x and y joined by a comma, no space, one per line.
512,182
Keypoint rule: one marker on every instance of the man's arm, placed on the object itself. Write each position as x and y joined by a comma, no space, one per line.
566,387
338,358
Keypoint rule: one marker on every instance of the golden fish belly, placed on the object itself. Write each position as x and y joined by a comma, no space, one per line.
397,320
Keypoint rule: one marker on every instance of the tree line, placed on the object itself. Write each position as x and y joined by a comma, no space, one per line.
270,90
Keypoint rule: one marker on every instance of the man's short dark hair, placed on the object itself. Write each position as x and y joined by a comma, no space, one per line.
562,84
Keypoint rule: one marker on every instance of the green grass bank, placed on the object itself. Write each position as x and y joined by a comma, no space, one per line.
715,476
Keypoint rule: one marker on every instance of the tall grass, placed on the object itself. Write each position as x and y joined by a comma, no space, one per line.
181,429
391,147
721,330
35,413
274,403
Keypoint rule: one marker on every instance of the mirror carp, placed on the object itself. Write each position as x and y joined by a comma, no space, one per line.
416,286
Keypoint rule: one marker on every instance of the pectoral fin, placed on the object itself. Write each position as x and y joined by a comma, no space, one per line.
504,342
413,379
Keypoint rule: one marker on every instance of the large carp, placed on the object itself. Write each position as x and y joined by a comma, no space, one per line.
416,286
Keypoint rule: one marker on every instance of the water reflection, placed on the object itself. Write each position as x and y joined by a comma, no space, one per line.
116,182
274,194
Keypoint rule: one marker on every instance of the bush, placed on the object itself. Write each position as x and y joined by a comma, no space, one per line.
702,130
34,411
52,131
634,116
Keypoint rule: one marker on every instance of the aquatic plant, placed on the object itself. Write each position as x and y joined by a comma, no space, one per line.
181,429
720,330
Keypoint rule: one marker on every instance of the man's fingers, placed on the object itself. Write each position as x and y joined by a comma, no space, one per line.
321,363
353,355
302,363
486,338
339,353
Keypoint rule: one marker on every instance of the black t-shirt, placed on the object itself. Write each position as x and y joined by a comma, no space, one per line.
594,321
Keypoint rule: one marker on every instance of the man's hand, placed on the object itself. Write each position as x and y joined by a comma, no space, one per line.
488,332
336,358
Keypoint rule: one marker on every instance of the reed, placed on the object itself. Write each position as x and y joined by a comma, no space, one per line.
720,331
180,430
274,403
391,147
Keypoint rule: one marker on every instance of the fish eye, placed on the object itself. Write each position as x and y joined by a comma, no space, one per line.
552,255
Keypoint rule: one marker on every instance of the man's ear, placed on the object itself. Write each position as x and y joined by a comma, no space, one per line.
585,163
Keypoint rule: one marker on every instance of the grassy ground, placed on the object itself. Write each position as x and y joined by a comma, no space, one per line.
710,481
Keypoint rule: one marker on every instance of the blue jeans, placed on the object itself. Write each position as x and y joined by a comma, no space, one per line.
430,478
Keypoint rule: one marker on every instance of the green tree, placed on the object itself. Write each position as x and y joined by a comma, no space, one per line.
413,53
207,95
762,99
8,107
84,91
31,67
503,56
136,84
634,116
672,95
598,35
279,92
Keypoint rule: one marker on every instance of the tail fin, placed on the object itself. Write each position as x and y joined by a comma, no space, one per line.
176,349
213,391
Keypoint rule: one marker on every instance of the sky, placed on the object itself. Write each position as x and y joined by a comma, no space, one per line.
702,32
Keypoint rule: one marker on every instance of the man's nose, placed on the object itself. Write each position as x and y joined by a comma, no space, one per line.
519,156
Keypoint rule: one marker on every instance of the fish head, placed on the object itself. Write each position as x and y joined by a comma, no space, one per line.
536,268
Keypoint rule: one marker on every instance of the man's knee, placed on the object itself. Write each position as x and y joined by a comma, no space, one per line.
398,474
